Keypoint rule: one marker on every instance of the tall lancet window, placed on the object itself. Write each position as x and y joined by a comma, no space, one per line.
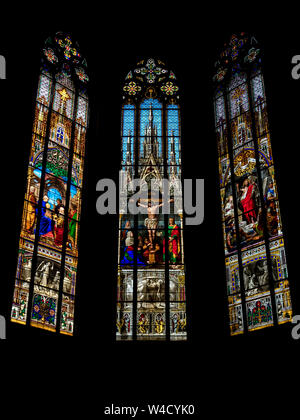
44,294
151,277
256,268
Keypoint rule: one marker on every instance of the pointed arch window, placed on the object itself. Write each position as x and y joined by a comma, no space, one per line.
151,277
45,284
256,269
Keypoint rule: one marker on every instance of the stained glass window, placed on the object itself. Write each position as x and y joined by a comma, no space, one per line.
45,284
151,302
256,270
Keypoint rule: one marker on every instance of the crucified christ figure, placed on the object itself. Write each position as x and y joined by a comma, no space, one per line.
151,221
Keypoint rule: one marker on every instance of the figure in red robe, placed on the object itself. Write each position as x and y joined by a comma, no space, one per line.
59,228
247,201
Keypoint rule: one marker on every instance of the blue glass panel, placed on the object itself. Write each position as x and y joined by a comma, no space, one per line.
148,103
173,120
128,130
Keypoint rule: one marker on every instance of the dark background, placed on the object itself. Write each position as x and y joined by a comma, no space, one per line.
112,48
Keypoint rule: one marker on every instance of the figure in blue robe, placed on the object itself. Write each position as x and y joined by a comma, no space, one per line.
128,258
46,223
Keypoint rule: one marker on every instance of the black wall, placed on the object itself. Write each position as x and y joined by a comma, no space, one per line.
190,52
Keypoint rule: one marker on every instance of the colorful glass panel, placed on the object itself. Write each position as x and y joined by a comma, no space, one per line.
151,300
255,260
48,248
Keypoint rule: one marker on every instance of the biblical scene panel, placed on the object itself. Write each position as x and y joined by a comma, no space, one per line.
151,234
251,229
47,274
52,225
54,193
249,201
151,321
53,211
255,271
151,288
127,249
151,251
